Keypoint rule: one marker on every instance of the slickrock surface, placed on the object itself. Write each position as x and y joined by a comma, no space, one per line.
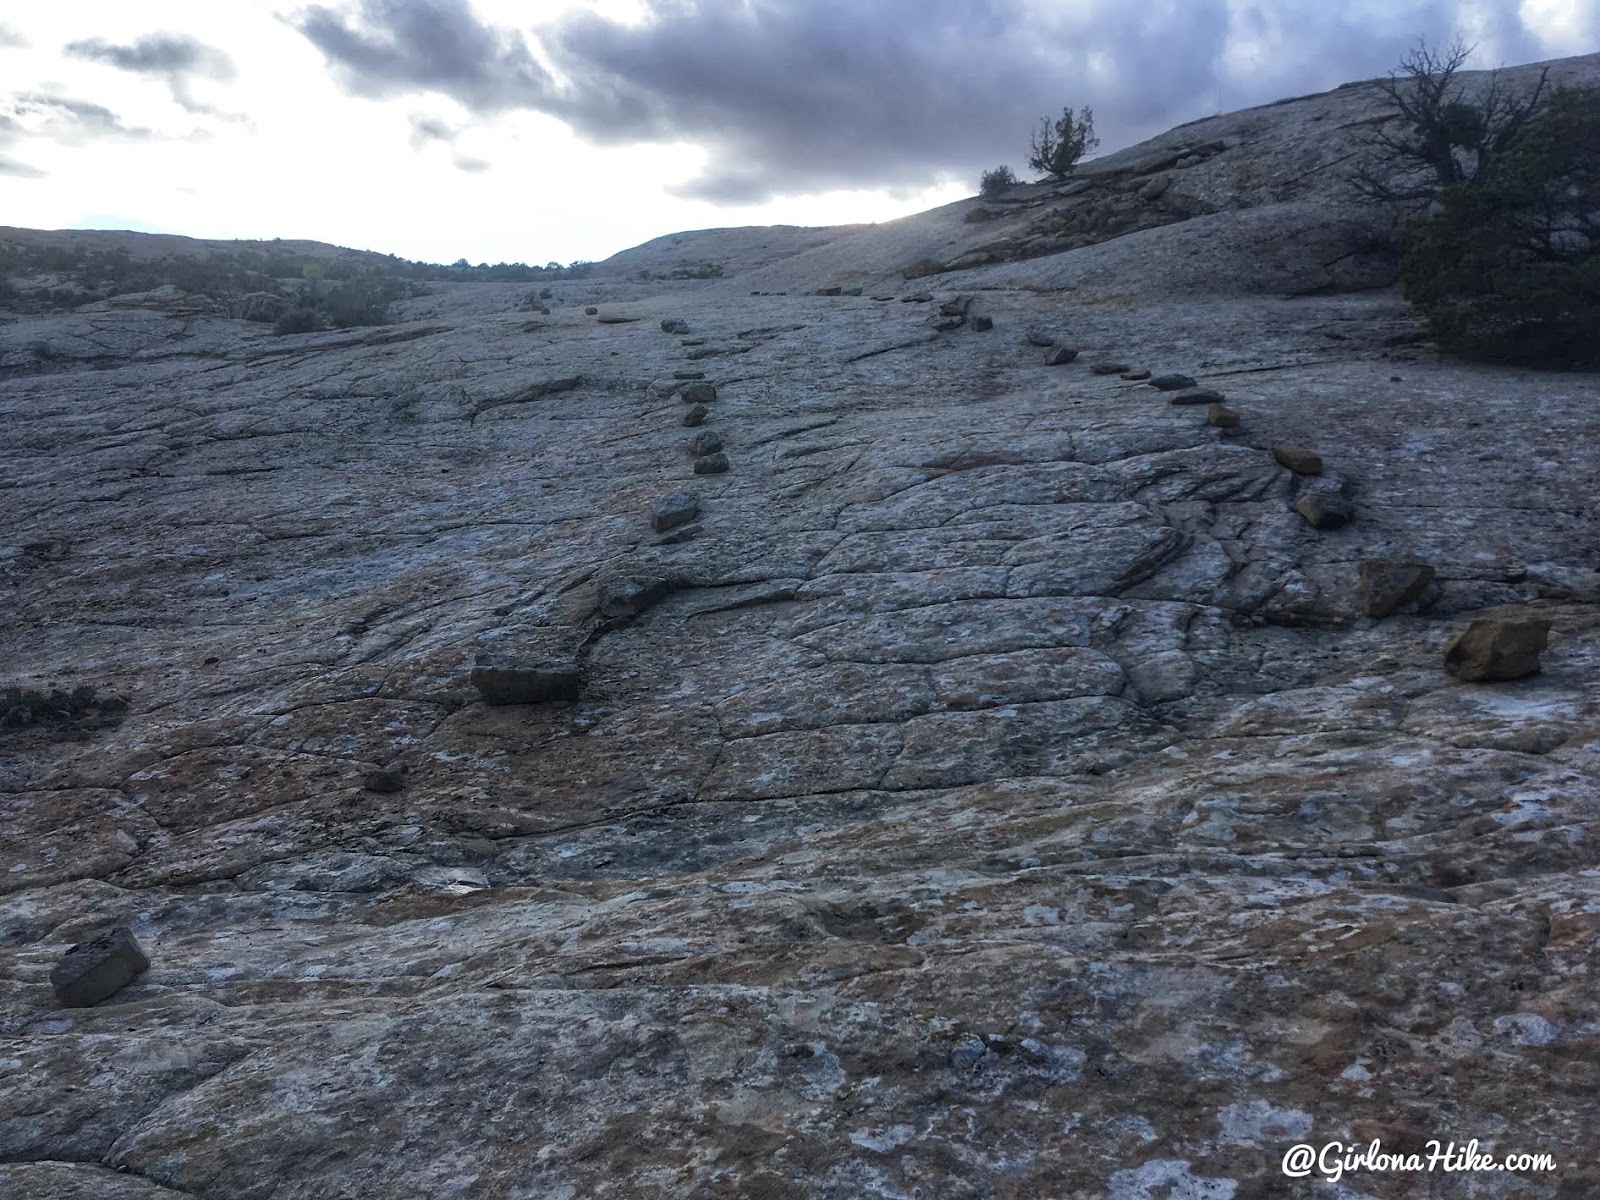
1003,795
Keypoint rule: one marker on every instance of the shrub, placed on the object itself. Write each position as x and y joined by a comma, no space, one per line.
1444,139
1508,268
363,301
300,319
995,182
1056,148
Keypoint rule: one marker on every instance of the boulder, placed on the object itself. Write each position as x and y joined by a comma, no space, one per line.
1197,396
708,442
384,779
1325,509
1038,337
981,324
1387,585
1108,368
956,307
677,509
1497,648
699,393
696,415
1059,355
91,971
851,291
674,325
1171,383
591,311
1298,459
1154,189
1222,416
829,291
711,464
509,681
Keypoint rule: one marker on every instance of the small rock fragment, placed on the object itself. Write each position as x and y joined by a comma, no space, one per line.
1325,510
676,509
630,597
851,291
1154,189
1387,585
1197,396
1038,337
1059,355
956,307
946,324
1222,416
708,442
1495,648
384,779
696,415
90,971
1298,459
922,266
688,374
829,291
1171,383
981,324
1107,368
1135,375
513,682
699,393
591,311
711,464
674,325
917,298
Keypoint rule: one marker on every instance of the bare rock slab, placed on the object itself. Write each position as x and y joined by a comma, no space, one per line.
505,681
1298,459
677,509
1388,585
93,970
1497,648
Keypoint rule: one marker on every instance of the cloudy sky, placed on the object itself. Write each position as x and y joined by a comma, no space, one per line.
539,130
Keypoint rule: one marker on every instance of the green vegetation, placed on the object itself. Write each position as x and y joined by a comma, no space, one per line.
995,182
1056,148
1507,269
363,284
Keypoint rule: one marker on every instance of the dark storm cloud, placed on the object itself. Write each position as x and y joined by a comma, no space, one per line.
793,96
399,46
175,58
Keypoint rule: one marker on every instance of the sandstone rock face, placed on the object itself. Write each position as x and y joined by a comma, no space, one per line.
1009,799
1497,648
96,969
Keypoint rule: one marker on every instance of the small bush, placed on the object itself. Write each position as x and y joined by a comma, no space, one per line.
298,320
24,708
1056,148
994,183
1508,269
363,301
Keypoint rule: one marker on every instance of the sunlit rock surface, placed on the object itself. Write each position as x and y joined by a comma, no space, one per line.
1001,794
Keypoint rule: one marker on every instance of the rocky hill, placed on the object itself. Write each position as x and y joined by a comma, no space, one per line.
927,758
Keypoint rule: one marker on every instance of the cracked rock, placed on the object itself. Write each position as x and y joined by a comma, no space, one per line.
1387,585
507,681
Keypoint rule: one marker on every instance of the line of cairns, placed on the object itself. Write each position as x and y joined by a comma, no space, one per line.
1489,649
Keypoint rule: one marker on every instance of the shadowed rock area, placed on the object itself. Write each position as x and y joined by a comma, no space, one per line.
991,784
